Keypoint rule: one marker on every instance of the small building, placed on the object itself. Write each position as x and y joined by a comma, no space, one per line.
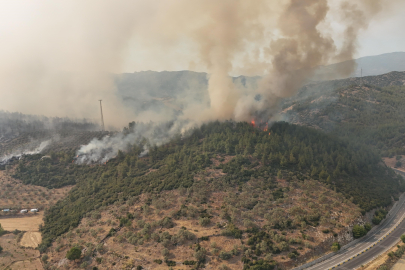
23,211
6,210
34,210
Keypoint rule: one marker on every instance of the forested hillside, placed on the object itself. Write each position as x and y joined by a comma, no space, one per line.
368,112
285,151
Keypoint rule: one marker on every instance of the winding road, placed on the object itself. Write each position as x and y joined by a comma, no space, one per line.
371,246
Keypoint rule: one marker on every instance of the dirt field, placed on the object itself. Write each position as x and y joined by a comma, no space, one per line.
13,255
27,223
33,264
31,239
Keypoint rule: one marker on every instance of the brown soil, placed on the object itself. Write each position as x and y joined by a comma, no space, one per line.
31,264
390,162
31,239
400,265
29,222
14,255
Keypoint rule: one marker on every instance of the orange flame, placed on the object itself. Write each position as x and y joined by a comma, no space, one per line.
253,123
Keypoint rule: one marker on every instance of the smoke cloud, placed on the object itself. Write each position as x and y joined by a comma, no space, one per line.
58,56
31,149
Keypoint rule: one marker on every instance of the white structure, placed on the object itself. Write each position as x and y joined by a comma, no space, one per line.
6,210
34,210
24,211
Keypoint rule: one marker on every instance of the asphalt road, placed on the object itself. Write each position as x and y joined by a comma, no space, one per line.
376,242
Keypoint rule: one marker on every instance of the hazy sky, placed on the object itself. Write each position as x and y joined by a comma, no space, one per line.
385,34
57,55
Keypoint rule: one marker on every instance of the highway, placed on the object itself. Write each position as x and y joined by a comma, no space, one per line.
372,245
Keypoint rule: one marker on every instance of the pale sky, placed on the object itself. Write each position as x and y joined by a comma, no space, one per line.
384,35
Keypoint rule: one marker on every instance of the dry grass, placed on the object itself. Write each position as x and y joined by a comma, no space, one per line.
13,254
31,239
27,222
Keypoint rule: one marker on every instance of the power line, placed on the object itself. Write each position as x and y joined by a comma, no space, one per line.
102,119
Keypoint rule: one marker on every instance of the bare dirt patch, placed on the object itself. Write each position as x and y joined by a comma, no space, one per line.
16,257
30,222
32,264
31,239
391,162
400,264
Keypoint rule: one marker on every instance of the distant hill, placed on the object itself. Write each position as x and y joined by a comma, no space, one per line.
371,65
369,110
169,91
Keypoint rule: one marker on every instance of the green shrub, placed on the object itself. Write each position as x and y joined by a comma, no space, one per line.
379,215
403,238
294,254
335,247
359,231
232,230
74,253
225,255
205,221
158,261
189,262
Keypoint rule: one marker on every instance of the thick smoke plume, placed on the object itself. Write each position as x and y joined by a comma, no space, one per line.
58,56
144,134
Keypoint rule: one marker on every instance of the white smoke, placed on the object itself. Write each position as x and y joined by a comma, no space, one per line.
100,151
19,153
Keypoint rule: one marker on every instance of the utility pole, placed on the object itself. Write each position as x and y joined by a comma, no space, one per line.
361,76
102,119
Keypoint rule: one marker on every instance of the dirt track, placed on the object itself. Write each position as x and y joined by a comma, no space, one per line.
27,265
31,239
28,223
